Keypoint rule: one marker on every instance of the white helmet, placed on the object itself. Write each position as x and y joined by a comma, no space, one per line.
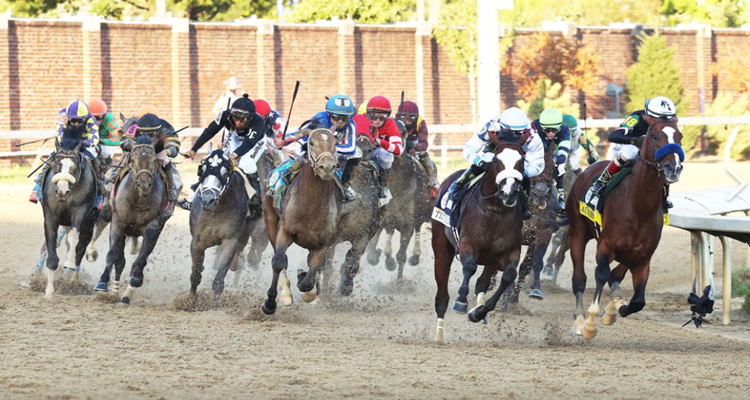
514,119
660,107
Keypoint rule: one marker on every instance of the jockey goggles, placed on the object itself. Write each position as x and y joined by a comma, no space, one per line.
338,117
551,130
75,121
243,115
505,133
377,116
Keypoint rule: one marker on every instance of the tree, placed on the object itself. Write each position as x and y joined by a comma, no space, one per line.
655,74
735,70
362,11
717,136
550,96
718,13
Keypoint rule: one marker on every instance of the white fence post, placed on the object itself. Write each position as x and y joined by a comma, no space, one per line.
726,245
444,156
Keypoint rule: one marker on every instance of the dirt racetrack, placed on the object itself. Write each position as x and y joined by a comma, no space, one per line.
375,344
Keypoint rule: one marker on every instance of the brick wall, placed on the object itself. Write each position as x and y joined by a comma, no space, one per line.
180,68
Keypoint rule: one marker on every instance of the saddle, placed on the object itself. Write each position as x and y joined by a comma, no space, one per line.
447,211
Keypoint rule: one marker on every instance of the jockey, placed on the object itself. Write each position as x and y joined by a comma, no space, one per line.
240,120
274,130
578,140
416,140
387,139
166,145
75,114
338,118
513,126
554,134
629,137
109,130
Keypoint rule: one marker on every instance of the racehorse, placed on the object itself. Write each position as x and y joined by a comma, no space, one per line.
560,243
258,234
136,211
312,209
537,232
218,217
632,221
69,194
490,234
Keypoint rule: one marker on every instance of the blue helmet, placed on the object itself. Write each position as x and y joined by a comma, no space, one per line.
341,105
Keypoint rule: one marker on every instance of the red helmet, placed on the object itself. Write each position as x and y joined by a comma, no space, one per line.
97,107
262,108
379,104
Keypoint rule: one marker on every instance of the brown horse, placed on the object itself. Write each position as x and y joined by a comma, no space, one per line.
311,211
490,234
632,221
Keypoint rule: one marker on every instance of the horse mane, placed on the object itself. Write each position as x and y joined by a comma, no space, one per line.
143,139
72,136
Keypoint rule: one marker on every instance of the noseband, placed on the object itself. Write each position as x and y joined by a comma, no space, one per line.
654,164
231,167
315,159
135,173
59,176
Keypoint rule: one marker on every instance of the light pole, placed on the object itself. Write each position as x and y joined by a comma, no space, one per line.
488,56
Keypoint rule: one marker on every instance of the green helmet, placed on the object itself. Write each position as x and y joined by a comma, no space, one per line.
570,121
551,118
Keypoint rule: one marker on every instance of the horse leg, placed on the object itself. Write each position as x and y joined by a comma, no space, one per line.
578,242
564,247
470,268
609,315
91,253
417,251
306,281
115,253
84,238
511,297
602,273
50,237
228,249
390,263
150,236
279,263
198,255
259,243
444,254
638,301
243,239
325,283
509,275
555,242
70,261
373,253
482,286
119,268
350,267
136,244
401,255
537,262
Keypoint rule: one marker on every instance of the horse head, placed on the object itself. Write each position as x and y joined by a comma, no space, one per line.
322,153
214,177
507,169
541,188
66,167
662,149
143,164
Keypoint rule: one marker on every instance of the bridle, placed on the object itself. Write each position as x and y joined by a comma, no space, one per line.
58,176
653,164
315,159
136,174
224,180
497,192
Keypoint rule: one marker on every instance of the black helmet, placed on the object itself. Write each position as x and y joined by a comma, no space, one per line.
148,124
243,108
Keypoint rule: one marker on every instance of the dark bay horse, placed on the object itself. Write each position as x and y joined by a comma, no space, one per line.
69,195
312,209
218,217
136,211
490,234
632,222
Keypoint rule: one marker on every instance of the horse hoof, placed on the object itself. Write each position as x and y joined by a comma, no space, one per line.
414,261
136,282
607,318
125,301
473,317
578,326
536,294
287,300
374,257
92,257
459,307
589,333
390,263
268,307
310,296
49,296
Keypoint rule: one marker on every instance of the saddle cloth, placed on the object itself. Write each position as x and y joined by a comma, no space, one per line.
447,211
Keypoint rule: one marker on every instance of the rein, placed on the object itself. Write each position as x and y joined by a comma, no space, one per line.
139,172
508,172
316,159
67,176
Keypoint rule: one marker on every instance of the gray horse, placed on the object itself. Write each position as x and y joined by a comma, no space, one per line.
136,211
69,194
218,217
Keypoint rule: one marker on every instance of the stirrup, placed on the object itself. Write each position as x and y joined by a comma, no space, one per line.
350,194
184,204
33,198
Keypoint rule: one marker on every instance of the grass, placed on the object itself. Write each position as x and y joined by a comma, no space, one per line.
741,287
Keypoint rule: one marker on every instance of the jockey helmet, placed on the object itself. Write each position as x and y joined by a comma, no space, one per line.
513,119
362,109
340,105
551,119
570,121
409,107
243,107
660,107
148,125
262,108
77,110
147,109
97,107
379,104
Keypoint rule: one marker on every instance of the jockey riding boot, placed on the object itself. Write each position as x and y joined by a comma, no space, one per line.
290,172
346,176
383,183
523,197
612,169
667,204
429,167
96,165
34,198
256,208
459,183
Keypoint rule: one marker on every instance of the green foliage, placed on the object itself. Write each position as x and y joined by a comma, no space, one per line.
717,136
718,13
29,8
741,287
362,11
655,74
457,34
550,96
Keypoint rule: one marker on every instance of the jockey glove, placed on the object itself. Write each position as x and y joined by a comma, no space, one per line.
172,152
592,159
638,141
559,159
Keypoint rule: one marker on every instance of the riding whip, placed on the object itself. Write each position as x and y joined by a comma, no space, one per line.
34,141
223,131
294,96
44,162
